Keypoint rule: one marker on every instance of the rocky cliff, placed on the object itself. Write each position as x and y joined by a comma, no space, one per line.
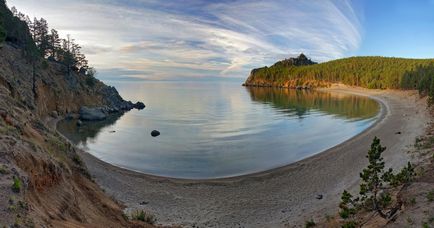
43,182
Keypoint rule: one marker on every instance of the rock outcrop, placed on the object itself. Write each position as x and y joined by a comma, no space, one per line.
155,133
92,114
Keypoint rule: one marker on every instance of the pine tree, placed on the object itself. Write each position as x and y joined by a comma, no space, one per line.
373,188
53,44
40,35
373,176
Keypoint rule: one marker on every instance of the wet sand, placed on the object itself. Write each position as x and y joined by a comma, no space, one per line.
280,197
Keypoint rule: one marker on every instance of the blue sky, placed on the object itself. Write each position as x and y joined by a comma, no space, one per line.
402,28
157,40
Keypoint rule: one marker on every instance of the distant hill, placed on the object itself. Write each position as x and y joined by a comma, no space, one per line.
368,72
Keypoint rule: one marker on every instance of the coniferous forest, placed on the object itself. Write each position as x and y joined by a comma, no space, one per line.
369,72
42,41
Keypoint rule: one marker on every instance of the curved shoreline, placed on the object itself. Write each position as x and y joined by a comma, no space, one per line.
284,195
263,174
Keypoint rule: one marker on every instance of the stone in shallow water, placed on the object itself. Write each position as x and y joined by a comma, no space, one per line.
155,133
92,114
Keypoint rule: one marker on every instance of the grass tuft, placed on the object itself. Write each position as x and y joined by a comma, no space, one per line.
309,223
16,186
430,196
144,216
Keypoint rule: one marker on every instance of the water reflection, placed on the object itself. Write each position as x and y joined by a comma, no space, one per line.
212,130
300,102
88,131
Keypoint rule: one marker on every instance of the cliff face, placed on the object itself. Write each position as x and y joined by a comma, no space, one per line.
43,181
52,88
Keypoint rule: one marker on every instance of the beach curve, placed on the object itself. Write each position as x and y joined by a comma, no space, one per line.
278,197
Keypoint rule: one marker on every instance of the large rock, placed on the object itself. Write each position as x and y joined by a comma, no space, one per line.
155,133
139,105
92,114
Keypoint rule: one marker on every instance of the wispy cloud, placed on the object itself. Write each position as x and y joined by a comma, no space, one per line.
201,38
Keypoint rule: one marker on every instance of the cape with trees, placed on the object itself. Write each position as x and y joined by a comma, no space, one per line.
369,72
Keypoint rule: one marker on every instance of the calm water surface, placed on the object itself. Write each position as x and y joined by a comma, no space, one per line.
220,129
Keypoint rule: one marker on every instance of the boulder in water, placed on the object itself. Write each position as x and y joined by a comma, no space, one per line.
155,133
92,114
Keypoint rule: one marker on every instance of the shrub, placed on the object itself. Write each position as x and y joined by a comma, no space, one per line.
77,160
3,169
44,64
430,196
412,201
348,205
16,186
144,216
349,224
374,193
90,81
309,224
125,216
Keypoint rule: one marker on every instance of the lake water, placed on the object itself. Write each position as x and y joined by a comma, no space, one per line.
220,129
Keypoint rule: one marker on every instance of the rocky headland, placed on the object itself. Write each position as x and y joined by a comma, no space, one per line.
43,181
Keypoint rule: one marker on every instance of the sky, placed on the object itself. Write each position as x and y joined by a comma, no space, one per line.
200,39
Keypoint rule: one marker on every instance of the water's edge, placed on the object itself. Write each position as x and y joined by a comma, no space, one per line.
383,112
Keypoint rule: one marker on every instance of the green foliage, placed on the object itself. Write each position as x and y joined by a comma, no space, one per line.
373,176
36,41
430,196
373,187
77,160
144,217
90,81
44,64
412,201
368,72
404,176
2,34
289,102
3,169
349,224
309,224
385,199
125,216
348,206
16,186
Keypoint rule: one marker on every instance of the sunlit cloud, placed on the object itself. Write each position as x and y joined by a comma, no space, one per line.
164,39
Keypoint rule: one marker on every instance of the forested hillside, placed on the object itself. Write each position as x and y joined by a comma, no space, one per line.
368,72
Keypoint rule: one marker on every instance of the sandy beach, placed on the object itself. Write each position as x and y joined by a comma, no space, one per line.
280,197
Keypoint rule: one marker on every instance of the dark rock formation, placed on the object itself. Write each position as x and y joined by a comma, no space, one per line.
139,105
92,114
155,133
